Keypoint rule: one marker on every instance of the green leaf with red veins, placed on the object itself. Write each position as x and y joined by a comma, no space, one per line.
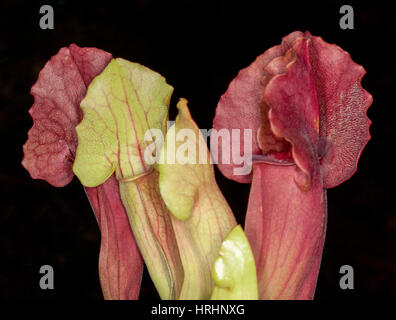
121,105
201,216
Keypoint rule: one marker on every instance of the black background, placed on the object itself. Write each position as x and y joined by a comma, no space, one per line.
199,48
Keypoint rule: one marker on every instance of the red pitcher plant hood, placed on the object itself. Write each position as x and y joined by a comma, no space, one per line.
49,155
305,105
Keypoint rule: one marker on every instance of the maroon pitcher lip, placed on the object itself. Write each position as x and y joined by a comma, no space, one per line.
270,159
